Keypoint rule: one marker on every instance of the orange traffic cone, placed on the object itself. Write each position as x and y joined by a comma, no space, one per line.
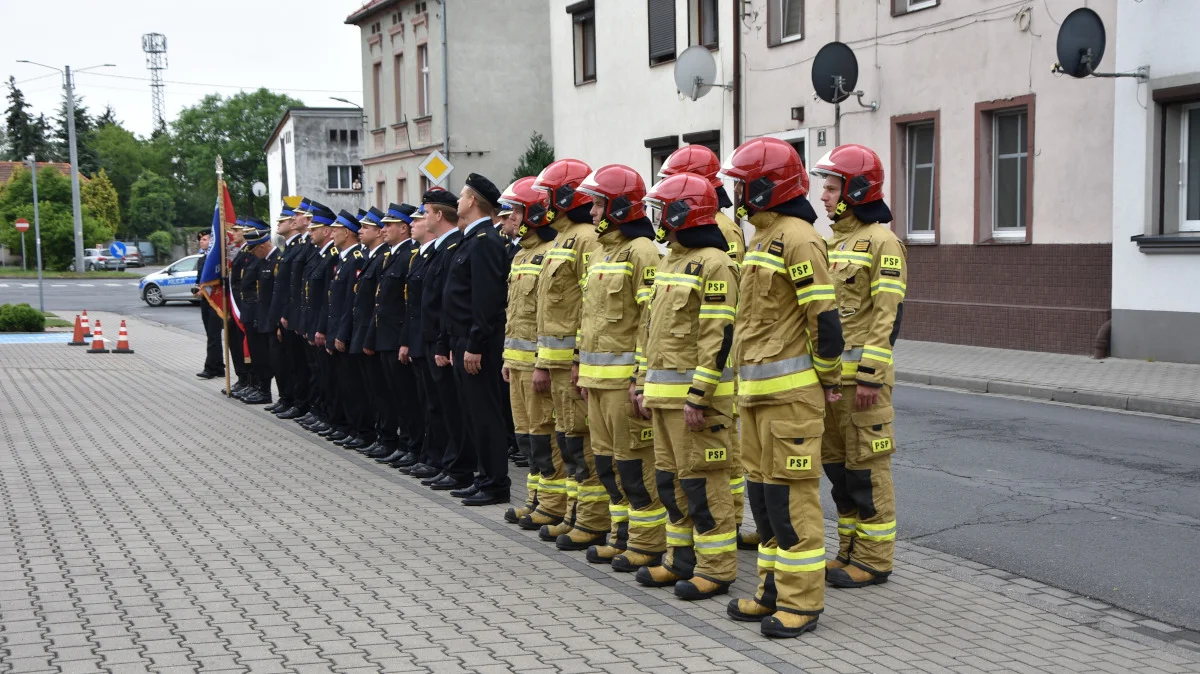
122,340
77,339
98,340
87,330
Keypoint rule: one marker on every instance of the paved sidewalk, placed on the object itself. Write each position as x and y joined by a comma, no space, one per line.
139,536
1138,385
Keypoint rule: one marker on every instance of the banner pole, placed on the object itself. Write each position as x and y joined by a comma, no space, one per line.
224,270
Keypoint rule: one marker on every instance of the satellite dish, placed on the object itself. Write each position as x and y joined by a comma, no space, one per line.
834,72
695,71
1080,43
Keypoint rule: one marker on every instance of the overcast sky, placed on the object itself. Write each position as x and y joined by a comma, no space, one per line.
298,47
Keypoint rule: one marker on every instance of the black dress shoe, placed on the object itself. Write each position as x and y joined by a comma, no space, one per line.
282,411
465,492
409,460
238,387
294,413
394,456
350,437
317,426
433,478
255,398
336,436
326,432
483,498
422,471
380,453
358,443
449,483
306,419
278,406
205,374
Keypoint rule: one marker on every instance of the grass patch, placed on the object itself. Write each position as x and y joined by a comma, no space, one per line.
53,321
12,272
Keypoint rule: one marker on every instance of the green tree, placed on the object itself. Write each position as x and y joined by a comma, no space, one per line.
85,129
234,128
123,156
162,241
537,156
100,197
151,205
54,213
26,135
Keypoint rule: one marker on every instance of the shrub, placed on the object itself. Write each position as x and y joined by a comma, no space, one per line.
21,318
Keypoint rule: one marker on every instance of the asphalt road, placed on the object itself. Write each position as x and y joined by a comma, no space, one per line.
119,296
1102,503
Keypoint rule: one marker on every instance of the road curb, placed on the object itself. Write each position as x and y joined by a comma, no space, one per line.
1118,401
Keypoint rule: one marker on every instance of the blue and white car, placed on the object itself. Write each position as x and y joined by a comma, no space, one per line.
173,283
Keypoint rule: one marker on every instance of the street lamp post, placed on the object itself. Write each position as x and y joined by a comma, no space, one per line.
37,235
76,210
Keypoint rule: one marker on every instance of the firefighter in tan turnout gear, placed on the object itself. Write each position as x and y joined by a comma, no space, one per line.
787,352
616,304
532,411
560,305
688,386
870,272
703,162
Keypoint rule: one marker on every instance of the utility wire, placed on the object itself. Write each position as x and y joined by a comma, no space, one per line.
222,86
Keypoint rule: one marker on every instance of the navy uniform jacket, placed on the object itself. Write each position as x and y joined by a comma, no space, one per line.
283,279
431,294
264,291
364,298
412,332
294,312
237,273
341,295
476,290
318,272
391,306
243,277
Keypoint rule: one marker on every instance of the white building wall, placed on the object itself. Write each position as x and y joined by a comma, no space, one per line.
1156,311
275,159
608,121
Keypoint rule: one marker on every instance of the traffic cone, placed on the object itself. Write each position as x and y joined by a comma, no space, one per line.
77,339
122,340
98,340
87,330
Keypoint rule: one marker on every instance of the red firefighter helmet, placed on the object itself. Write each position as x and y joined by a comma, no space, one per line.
860,170
696,159
561,180
768,172
622,189
680,202
522,195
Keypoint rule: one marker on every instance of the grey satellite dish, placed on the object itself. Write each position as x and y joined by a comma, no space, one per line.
834,72
695,71
1081,41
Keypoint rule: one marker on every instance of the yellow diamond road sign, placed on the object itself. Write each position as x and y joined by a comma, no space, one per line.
436,167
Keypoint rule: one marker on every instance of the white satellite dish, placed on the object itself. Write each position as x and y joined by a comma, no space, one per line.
695,71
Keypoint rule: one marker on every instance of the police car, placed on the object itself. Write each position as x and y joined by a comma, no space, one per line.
173,283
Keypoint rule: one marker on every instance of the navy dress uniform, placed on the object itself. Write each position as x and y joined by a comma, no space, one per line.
431,452
237,337
383,337
287,378
258,326
380,412
454,475
473,319
349,396
247,295
318,273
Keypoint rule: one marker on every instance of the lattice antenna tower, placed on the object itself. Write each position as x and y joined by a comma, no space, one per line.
155,46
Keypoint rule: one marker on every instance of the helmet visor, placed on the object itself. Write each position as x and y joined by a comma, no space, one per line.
654,211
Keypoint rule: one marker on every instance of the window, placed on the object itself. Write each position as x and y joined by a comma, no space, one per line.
345,177
900,7
709,139
424,185
333,135
423,80
785,21
1189,168
344,135
375,28
702,22
377,90
380,194
660,26
398,86
1004,173
354,136
919,176
1010,163
583,20
401,190
660,149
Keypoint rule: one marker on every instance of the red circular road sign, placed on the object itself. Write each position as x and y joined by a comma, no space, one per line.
22,225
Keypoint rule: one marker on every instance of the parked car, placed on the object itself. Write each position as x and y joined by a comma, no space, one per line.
173,283
99,258
133,257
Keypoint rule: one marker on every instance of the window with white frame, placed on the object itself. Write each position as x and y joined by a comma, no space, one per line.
1189,168
1010,164
422,80
920,179
703,22
900,7
785,21
345,177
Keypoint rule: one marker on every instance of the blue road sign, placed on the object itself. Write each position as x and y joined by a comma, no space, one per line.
117,249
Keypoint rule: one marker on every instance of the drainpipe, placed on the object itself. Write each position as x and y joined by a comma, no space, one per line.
837,107
445,87
737,74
